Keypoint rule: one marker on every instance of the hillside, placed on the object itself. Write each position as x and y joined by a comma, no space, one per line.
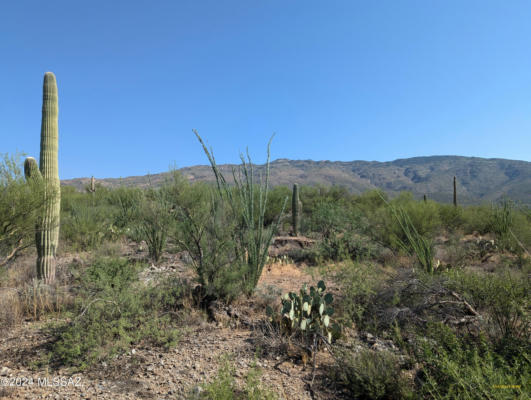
478,179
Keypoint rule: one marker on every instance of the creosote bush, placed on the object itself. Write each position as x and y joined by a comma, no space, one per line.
370,374
113,312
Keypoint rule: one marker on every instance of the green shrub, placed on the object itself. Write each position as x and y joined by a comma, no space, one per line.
452,218
370,374
503,298
87,219
87,227
112,313
127,202
455,368
385,224
476,219
358,282
154,222
245,204
414,242
225,387
20,205
205,229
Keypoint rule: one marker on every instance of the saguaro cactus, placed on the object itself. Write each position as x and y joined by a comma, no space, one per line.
455,192
295,209
92,188
47,236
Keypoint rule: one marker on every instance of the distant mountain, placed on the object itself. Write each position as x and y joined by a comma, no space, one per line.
478,179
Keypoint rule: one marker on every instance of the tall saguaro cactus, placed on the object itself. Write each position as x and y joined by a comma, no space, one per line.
455,192
47,236
295,209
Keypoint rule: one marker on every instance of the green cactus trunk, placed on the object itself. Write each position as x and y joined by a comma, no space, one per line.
295,209
455,192
47,236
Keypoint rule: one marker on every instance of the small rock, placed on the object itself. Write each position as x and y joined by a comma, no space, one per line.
4,371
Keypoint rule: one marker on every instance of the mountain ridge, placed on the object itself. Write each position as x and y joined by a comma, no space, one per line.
478,179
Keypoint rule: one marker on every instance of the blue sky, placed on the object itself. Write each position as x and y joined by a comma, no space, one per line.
335,80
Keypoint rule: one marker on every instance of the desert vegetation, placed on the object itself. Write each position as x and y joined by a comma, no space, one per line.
426,300
239,290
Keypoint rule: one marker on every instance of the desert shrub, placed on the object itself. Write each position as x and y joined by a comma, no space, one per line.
127,201
348,246
503,299
370,374
412,241
371,200
37,299
225,387
476,219
521,230
10,309
340,226
87,227
205,229
153,222
502,220
464,368
112,313
329,218
87,219
245,205
358,282
387,228
20,206
275,202
451,217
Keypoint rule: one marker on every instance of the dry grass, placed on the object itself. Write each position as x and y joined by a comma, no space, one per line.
22,297
10,308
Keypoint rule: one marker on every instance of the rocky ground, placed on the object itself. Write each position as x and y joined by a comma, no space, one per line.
174,374
150,373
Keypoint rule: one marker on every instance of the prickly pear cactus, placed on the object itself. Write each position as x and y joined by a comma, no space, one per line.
47,236
308,313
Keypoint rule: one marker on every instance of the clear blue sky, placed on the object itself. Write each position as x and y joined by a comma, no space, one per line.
335,80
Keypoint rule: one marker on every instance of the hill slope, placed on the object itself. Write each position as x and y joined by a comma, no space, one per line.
478,179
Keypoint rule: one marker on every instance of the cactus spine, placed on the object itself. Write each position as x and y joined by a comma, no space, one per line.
455,192
295,209
47,236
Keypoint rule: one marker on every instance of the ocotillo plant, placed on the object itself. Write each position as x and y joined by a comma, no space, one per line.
455,192
295,209
47,236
